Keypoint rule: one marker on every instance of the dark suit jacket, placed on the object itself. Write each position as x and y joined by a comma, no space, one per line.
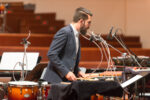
62,55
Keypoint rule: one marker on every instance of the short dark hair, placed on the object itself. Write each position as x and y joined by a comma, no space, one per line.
81,13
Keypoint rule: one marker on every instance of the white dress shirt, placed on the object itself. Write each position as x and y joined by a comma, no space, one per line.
76,34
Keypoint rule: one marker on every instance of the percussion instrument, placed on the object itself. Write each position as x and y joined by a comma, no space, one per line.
111,73
22,90
107,75
129,61
2,8
2,91
101,97
97,97
45,90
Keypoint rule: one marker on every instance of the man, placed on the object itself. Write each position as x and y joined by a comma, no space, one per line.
64,53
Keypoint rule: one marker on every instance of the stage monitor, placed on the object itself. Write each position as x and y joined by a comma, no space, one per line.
14,60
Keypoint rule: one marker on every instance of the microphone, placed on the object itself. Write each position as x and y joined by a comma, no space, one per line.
7,5
94,37
99,38
131,54
24,41
114,34
109,36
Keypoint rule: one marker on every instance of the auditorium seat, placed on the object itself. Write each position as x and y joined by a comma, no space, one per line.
41,26
14,39
21,18
1,21
17,21
87,54
90,57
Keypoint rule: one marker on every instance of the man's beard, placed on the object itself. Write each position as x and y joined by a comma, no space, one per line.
83,30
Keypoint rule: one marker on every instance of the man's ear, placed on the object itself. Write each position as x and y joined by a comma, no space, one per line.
81,21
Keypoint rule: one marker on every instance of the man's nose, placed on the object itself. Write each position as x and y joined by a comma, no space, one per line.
88,27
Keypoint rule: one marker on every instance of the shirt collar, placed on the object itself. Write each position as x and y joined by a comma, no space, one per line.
76,33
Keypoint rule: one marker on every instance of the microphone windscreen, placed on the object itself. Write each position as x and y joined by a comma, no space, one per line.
91,38
110,33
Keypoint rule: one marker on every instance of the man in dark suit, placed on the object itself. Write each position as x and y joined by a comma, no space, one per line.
64,53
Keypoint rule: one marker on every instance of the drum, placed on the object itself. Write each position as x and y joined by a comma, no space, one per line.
2,91
2,8
45,90
1,85
97,97
22,90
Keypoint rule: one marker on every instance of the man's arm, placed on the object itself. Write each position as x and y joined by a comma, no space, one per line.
56,48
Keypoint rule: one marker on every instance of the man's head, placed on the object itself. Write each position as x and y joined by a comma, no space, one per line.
82,16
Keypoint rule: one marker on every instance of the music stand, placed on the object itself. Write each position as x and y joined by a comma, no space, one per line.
36,73
134,79
9,59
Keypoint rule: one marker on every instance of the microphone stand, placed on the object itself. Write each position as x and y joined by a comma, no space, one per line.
94,38
98,38
40,97
128,51
26,44
124,56
91,40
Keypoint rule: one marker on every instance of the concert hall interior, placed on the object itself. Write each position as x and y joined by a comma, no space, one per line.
115,52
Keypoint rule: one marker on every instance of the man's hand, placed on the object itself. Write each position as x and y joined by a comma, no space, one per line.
70,76
81,74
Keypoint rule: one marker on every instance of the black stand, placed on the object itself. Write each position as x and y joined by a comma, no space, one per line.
133,85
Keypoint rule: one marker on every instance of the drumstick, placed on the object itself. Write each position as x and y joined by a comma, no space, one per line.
86,79
65,82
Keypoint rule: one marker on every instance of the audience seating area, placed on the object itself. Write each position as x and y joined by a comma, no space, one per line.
90,57
21,18
44,40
